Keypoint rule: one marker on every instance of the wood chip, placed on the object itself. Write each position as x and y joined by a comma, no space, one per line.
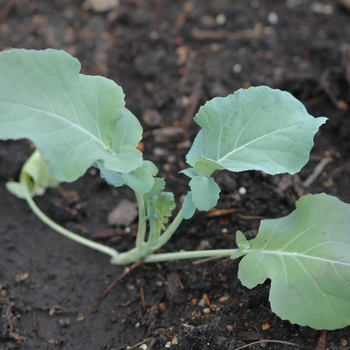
168,135
22,277
124,214
345,3
265,326
100,5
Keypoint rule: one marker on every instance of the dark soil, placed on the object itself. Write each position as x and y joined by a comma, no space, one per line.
170,57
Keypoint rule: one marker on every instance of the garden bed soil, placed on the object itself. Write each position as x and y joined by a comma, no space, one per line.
170,57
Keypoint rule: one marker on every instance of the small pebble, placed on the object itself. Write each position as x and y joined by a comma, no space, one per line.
242,191
272,17
221,19
22,277
237,68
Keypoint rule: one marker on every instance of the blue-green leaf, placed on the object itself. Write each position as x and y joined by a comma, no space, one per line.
39,175
188,207
71,118
307,257
111,177
254,129
140,180
205,192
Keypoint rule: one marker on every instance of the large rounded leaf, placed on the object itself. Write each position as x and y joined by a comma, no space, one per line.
307,257
71,118
254,129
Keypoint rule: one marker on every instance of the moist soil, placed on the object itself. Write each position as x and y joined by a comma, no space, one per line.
170,57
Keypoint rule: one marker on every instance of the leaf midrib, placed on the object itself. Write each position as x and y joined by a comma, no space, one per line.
296,255
64,120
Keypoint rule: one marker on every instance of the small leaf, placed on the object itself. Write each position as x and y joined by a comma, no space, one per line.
205,192
205,166
140,180
159,209
254,129
243,246
188,207
307,257
128,130
111,177
190,172
150,167
71,118
40,177
157,187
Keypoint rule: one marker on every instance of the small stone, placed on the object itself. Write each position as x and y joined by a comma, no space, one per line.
345,4
174,341
22,277
152,118
64,322
229,328
100,5
201,303
124,214
265,326
321,9
161,306
223,299
272,17
242,191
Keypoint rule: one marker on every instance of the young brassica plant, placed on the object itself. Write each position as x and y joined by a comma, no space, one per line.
78,121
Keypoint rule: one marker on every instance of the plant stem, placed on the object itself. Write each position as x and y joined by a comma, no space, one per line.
73,236
141,231
140,251
166,235
152,258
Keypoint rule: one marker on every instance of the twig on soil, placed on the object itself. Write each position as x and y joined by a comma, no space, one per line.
272,341
321,345
317,171
201,261
127,270
135,345
325,85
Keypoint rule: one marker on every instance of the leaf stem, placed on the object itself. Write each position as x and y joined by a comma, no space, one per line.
141,250
141,231
152,258
25,180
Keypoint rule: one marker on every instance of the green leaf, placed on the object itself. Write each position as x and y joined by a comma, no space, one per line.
254,129
243,246
150,167
190,172
188,207
205,192
111,177
71,118
159,209
128,131
40,177
140,180
307,257
157,187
